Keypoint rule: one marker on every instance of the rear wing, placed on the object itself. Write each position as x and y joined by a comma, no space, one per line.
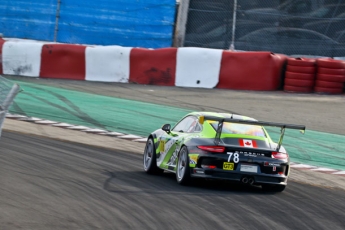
221,120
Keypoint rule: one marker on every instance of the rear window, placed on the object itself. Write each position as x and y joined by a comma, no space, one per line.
242,129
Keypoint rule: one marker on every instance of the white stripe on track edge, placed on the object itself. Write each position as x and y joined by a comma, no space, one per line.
131,137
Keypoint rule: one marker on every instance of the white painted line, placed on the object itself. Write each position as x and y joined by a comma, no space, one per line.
142,140
115,134
30,119
94,131
302,166
45,122
339,173
63,125
130,136
324,169
14,116
79,127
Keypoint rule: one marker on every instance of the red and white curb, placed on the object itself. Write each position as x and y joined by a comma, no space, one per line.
85,129
317,169
140,139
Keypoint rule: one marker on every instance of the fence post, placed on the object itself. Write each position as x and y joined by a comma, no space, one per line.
57,16
232,45
181,21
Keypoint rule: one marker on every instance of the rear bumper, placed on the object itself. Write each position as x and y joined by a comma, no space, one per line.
259,178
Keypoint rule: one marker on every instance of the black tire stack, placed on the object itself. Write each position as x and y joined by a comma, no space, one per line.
300,75
330,76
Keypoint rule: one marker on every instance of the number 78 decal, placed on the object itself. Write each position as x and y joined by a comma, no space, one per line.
236,158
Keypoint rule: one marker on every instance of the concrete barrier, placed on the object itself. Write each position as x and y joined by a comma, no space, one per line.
183,67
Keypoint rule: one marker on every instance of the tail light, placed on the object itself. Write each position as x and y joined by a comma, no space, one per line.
208,166
215,149
279,155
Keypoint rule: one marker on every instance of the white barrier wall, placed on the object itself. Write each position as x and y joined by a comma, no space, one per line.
22,58
198,67
107,63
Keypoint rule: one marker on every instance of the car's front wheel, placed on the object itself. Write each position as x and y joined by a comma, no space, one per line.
150,162
182,170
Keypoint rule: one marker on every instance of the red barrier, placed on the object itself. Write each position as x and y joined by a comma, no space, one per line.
153,67
251,70
330,63
2,41
63,61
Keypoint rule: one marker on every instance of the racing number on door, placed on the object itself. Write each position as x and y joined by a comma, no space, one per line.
236,157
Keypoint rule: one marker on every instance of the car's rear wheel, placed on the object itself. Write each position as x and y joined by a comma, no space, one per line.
182,171
273,188
150,162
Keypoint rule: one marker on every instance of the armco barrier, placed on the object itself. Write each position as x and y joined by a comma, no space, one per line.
251,71
63,61
153,67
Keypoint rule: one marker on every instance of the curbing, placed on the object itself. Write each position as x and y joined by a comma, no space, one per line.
135,138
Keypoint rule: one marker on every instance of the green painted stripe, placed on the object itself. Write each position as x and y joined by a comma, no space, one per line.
140,118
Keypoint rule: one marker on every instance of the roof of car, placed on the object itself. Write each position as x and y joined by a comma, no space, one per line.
225,115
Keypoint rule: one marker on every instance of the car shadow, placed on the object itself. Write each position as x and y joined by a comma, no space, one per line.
136,182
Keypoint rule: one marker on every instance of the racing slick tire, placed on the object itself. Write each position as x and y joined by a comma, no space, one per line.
182,169
324,90
297,89
299,76
149,158
327,77
299,83
329,71
329,84
301,69
273,188
301,61
330,63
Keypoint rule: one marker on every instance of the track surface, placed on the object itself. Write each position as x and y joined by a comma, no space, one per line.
50,184
56,185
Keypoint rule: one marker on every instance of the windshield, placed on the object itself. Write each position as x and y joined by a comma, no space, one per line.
242,129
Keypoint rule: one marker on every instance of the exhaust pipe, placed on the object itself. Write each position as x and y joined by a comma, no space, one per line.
244,180
251,181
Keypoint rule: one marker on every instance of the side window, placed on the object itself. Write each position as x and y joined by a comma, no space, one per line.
187,125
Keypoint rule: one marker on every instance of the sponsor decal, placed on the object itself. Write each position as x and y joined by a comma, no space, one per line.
193,160
248,143
272,164
161,146
228,166
250,154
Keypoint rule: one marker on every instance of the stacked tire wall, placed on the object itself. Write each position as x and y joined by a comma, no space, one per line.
330,76
321,75
300,75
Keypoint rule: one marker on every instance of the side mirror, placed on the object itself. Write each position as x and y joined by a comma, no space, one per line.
166,128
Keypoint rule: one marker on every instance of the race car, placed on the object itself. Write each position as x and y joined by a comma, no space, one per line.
220,146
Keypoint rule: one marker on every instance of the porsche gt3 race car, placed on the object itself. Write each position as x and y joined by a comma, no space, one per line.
220,146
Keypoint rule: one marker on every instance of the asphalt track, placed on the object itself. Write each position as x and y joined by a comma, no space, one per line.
106,106
52,184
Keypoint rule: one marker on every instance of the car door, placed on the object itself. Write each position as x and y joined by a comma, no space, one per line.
170,143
